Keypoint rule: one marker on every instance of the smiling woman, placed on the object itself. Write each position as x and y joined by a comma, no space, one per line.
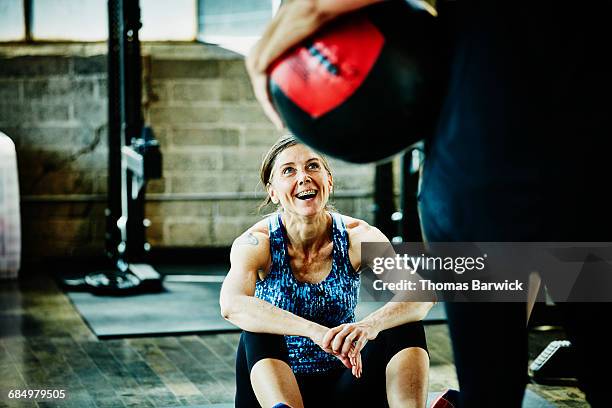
293,287
317,165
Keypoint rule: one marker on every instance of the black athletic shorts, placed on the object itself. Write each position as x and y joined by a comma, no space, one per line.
333,388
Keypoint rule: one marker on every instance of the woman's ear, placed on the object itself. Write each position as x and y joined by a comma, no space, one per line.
272,194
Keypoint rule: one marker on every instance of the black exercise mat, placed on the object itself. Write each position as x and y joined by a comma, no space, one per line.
182,309
531,400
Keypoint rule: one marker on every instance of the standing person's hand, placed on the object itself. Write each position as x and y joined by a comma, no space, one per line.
259,82
294,22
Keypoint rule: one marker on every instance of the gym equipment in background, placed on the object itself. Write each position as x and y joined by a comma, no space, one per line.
407,218
555,365
384,199
134,158
368,85
10,218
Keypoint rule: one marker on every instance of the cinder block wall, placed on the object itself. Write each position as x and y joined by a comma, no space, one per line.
212,132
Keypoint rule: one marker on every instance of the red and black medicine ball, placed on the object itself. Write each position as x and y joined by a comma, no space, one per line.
366,86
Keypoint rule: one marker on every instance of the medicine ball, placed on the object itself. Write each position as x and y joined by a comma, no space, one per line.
366,86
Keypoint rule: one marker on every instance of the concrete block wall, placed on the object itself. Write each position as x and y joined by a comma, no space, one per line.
212,132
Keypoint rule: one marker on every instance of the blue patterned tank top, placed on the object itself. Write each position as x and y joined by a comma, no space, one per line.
330,302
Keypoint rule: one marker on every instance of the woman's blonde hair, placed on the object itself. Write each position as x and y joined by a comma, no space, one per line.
265,172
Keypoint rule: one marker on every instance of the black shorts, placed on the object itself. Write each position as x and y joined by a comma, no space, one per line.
337,387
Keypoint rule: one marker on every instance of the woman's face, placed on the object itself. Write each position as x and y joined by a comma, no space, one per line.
299,181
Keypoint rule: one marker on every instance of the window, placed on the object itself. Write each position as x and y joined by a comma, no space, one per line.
235,24
12,20
69,20
164,20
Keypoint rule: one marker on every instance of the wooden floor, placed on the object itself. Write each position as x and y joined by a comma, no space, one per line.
44,344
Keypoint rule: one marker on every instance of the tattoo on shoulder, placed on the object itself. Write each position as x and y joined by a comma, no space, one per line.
248,239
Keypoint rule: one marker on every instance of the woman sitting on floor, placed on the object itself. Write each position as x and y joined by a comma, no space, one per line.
293,287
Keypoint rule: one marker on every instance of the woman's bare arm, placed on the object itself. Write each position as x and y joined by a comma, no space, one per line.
250,253
394,313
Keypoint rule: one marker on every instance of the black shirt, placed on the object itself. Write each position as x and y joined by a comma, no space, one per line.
522,150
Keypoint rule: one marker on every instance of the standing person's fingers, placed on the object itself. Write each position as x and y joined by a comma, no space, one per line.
259,82
293,22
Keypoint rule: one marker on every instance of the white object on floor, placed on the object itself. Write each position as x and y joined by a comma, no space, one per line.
10,218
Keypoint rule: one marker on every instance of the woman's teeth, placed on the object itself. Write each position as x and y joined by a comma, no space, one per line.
303,195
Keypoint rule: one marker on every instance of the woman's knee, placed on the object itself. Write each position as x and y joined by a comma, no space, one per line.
406,378
414,357
270,367
274,383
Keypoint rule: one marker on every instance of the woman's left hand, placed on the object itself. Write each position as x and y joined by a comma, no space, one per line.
349,338
356,365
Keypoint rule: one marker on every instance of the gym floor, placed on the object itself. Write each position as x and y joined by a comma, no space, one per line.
44,344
